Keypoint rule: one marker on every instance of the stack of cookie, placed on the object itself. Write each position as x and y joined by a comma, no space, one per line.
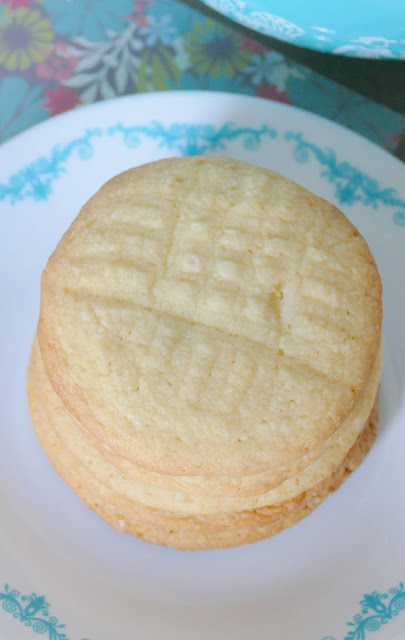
208,353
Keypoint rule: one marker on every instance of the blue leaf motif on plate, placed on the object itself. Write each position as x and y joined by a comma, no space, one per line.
192,139
35,181
376,609
33,611
352,184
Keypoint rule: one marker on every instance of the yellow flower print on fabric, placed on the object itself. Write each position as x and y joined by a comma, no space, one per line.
25,37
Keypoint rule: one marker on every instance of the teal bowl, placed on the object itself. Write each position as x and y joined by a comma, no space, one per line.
361,28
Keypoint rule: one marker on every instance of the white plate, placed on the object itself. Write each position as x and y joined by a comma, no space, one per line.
305,583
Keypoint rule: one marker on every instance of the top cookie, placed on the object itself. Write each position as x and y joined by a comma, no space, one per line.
203,317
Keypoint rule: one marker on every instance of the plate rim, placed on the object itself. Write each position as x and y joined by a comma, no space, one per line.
197,93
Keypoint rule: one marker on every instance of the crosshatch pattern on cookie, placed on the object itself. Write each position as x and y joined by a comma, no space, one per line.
224,276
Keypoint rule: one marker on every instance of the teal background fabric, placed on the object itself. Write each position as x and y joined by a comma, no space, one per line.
59,54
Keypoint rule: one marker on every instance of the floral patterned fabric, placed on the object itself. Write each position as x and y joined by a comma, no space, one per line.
57,54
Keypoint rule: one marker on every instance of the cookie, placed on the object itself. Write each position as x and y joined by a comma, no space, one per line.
203,317
75,441
180,530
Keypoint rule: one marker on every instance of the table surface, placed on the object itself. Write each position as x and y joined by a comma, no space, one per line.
59,54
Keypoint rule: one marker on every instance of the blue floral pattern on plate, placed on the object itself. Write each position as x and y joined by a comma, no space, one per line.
35,180
352,185
375,612
33,611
